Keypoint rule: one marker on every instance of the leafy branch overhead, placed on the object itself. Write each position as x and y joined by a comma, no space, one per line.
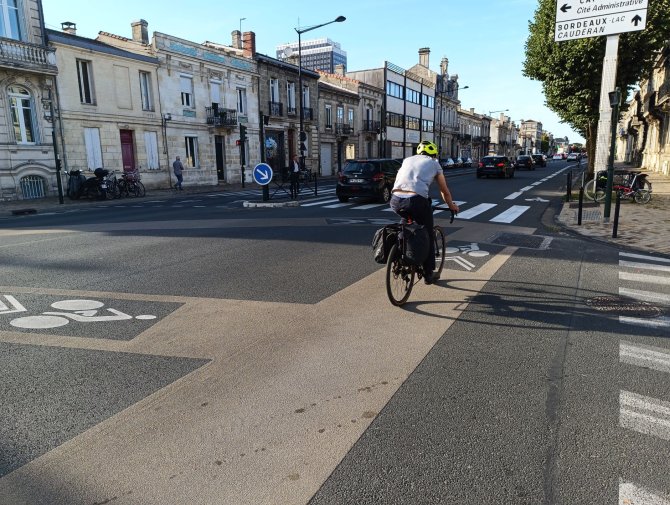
571,71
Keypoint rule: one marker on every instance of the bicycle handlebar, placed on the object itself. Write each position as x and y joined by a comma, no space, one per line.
439,207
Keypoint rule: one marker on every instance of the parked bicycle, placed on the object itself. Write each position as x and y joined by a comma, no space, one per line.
113,189
403,272
130,184
629,185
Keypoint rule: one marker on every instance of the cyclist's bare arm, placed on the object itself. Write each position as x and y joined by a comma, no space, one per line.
444,191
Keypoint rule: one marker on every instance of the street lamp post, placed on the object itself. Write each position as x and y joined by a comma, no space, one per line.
164,120
48,102
303,135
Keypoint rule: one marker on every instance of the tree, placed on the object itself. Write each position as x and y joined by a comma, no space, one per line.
571,71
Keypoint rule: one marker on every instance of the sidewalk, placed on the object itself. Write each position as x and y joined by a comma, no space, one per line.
51,203
644,227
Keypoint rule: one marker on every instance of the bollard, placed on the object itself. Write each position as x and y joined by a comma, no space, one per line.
569,195
316,187
581,205
617,206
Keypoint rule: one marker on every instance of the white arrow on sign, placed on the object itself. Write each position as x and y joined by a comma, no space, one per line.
264,175
538,199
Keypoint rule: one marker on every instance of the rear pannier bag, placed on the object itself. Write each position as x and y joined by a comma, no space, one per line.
382,241
417,245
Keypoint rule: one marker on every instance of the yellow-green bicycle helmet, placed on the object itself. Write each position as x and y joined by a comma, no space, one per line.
426,147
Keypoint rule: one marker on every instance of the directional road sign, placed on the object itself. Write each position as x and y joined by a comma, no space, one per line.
579,19
262,174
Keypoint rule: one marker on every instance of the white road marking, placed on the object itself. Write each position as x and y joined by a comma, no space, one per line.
318,203
655,358
649,279
338,205
630,494
644,266
369,206
645,296
527,188
510,214
475,211
657,322
514,195
645,415
644,257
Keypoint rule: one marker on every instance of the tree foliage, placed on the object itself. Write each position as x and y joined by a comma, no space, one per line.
571,71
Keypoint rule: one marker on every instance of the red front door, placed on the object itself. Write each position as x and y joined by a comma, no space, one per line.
127,150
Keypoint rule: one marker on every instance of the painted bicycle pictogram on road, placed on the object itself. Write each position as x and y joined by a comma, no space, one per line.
82,311
471,250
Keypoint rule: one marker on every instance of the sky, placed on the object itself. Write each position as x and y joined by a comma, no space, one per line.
484,40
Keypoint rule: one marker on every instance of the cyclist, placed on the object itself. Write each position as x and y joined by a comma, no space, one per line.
410,195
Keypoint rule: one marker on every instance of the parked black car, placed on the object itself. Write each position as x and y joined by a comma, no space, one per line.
540,160
500,166
525,161
371,178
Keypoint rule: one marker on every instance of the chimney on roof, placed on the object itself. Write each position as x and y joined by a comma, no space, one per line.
237,39
424,56
140,31
339,69
69,27
249,44
444,66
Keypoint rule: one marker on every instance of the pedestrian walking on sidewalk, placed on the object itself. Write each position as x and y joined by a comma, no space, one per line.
294,170
178,168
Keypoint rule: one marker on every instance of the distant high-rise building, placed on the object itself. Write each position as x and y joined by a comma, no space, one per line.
317,54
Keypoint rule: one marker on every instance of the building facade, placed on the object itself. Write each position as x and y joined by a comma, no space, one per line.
28,104
317,54
643,138
206,91
409,107
470,139
279,85
109,108
447,104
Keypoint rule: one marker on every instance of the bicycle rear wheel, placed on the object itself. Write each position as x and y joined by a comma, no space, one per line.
399,278
593,192
440,246
642,196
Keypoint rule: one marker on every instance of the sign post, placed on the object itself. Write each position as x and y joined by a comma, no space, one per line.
578,19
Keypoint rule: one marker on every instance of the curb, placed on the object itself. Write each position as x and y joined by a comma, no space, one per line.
256,204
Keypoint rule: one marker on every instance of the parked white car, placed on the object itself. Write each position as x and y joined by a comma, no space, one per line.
557,156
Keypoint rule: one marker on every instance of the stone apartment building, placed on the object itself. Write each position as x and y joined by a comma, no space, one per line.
109,108
205,91
530,136
470,139
447,104
643,138
28,104
362,119
504,136
278,88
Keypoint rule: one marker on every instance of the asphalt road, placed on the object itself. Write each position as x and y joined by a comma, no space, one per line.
191,350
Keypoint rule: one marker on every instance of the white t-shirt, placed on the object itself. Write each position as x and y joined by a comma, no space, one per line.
416,174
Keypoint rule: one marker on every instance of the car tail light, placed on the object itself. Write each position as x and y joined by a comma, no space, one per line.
500,165
341,177
481,165
378,177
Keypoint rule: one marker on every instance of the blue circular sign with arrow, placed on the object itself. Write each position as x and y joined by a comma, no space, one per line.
262,174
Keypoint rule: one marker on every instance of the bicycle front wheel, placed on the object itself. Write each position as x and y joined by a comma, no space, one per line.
593,192
399,278
440,246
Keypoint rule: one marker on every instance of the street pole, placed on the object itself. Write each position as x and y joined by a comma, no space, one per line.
303,135
57,160
615,98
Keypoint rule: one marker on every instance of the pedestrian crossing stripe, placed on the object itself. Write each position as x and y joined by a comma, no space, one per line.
645,296
475,211
645,356
644,414
630,494
644,257
510,214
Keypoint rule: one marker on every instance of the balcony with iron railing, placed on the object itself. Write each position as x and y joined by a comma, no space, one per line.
24,55
276,108
344,129
221,117
291,111
371,126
